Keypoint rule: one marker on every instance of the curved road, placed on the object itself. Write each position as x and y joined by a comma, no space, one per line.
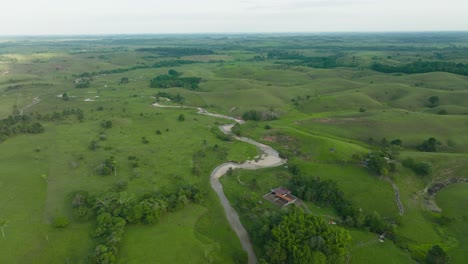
269,158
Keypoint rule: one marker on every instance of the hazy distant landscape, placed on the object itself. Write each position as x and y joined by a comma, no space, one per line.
109,144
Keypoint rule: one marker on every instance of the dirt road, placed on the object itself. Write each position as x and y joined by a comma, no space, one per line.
268,158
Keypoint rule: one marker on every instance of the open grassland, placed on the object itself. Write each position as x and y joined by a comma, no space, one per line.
329,120
176,239
59,162
411,127
367,248
454,200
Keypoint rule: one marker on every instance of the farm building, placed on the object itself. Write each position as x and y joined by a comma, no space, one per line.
280,196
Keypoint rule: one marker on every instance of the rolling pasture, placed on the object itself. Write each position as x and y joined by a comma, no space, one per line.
319,103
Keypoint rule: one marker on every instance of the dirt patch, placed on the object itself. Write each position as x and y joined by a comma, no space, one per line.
324,120
270,138
335,120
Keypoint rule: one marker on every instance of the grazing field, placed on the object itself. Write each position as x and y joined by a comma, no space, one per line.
91,171
454,200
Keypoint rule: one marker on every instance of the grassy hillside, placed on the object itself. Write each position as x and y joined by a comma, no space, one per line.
318,102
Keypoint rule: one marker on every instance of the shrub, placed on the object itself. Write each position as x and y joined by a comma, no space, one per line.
61,221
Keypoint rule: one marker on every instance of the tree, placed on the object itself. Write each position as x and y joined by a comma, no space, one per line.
93,145
65,97
124,80
236,129
106,123
422,168
436,255
174,73
429,145
434,101
378,164
396,142
181,117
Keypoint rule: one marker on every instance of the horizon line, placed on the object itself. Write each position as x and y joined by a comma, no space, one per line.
234,33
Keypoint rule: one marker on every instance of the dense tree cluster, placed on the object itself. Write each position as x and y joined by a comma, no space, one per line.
306,239
423,67
173,79
18,124
259,115
27,124
325,62
322,193
176,51
114,210
429,145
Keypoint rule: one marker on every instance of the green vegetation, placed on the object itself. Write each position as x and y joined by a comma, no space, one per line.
173,79
424,66
350,112
18,124
299,238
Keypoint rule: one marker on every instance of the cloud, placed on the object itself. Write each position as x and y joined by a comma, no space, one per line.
163,16
298,5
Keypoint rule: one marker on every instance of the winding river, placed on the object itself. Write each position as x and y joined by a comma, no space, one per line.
268,158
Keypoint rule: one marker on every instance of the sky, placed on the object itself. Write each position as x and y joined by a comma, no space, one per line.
70,17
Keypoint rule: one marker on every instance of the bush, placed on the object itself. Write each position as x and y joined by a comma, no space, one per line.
106,123
420,168
61,221
442,112
181,117
81,213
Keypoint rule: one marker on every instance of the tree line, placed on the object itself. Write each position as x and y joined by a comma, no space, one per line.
58,116
325,62
177,51
326,193
423,67
18,124
159,64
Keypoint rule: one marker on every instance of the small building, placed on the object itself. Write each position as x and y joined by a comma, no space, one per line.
280,196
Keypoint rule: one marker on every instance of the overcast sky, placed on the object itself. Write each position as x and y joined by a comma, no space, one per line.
38,17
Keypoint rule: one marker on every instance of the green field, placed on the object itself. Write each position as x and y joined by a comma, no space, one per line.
315,98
